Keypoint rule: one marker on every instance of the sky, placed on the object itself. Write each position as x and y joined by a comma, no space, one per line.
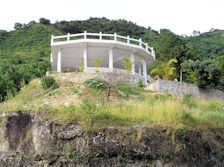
180,16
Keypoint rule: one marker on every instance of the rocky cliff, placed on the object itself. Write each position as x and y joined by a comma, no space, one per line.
28,139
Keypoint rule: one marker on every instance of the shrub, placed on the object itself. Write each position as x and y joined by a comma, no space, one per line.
180,129
127,64
54,86
75,90
49,82
97,63
96,84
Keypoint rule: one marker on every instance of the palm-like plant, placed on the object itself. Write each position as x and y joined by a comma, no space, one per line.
127,64
166,70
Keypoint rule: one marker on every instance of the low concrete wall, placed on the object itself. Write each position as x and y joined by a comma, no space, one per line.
109,77
181,88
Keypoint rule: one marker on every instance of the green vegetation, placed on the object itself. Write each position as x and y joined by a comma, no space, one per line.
25,51
96,84
188,100
166,70
75,90
209,44
49,82
203,73
97,63
94,110
127,89
180,129
69,152
127,64
24,55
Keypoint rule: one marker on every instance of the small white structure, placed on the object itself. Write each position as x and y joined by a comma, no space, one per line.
71,51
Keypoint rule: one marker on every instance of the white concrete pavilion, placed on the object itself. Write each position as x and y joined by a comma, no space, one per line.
68,52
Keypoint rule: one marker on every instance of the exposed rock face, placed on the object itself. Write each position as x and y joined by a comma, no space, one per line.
28,140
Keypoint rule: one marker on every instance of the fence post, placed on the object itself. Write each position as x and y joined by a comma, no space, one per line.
68,36
128,39
140,42
52,39
147,47
115,36
100,35
85,35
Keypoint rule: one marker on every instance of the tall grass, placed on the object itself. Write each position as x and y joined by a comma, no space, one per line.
162,110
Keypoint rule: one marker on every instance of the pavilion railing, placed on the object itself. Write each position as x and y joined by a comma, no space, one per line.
101,36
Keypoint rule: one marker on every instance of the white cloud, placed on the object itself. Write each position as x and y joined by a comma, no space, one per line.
180,16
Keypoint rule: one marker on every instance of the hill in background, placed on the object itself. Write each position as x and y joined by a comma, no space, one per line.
25,51
209,44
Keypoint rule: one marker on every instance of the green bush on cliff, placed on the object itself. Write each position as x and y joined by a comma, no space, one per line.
49,82
96,84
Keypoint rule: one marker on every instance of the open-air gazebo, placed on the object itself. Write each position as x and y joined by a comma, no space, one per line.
74,50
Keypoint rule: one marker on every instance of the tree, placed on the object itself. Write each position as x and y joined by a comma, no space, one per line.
44,21
31,23
166,70
156,64
18,25
172,46
204,73
220,61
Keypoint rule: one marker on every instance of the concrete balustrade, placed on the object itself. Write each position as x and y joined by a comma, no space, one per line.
73,50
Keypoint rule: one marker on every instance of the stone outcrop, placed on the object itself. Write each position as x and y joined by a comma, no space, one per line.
30,140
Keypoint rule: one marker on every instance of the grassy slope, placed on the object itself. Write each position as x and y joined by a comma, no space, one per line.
88,106
209,44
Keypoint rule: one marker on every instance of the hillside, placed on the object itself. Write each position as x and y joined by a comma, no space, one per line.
125,105
29,45
77,124
209,44
25,51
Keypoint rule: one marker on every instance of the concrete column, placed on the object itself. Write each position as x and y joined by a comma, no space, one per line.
139,70
59,61
111,64
85,58
133,64
144,70
51,58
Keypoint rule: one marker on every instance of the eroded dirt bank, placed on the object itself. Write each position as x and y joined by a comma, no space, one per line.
30,140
